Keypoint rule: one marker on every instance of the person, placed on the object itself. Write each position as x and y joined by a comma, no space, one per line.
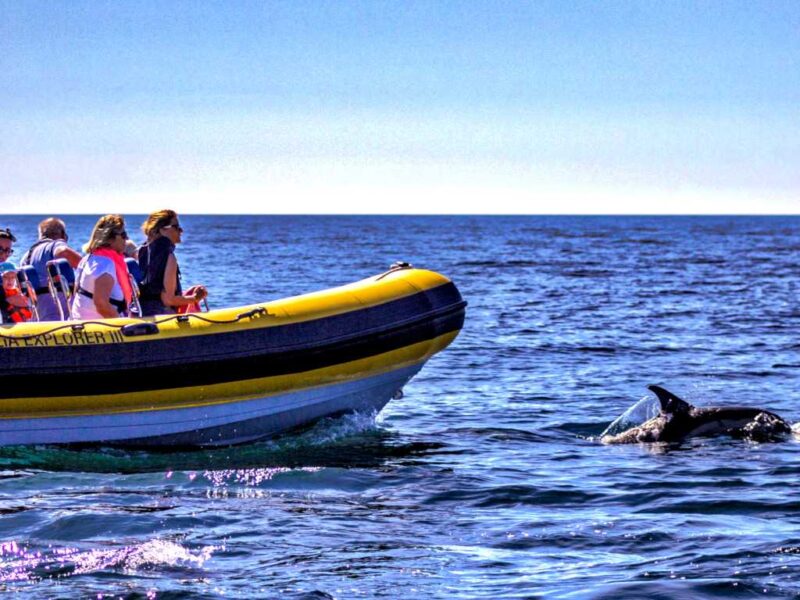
14,304
52,244
131,250
11,303
103,289
161,276
7,240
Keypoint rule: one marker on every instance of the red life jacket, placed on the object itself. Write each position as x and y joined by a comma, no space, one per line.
18,314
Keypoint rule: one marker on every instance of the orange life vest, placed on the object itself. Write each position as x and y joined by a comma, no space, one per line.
18,314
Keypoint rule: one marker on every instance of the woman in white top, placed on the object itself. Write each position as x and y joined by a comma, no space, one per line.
103,289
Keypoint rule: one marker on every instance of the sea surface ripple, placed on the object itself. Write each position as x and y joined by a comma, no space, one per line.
486,479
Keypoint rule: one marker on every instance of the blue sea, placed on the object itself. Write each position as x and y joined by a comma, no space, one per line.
486,480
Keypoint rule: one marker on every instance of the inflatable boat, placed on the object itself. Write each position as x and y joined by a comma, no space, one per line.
226,376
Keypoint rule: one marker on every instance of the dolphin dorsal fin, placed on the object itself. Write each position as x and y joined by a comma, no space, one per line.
670,403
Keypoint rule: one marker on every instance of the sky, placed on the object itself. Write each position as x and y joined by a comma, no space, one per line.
401,106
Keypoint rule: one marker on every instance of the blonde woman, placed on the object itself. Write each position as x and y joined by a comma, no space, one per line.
103,289
161,277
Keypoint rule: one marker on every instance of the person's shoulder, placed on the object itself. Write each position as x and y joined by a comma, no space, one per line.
162,244
59,245
99,264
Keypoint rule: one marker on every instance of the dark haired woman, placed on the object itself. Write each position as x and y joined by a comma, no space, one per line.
161,277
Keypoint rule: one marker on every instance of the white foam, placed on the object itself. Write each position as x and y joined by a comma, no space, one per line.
643,410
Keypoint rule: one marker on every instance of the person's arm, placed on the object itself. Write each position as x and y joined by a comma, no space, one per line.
102,294
17,300
64,251
168,297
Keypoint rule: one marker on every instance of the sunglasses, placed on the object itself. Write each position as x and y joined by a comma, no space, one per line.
176,226
8,251
122,234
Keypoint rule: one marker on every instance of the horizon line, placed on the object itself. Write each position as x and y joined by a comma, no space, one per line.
357,214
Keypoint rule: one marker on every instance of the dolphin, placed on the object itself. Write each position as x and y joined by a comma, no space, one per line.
679,420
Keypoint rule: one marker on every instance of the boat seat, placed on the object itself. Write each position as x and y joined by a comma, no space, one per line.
135,275
61,278
29,275
28,279
134,270
60,268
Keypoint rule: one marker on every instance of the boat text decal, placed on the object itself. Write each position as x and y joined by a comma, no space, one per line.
65,338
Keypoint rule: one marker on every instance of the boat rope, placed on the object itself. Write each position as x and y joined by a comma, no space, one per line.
183,318
400,265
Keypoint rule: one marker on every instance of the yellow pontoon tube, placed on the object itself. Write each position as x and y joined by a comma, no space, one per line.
225,376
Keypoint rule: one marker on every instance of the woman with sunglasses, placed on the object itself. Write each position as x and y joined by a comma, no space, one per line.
161,277
7,240
102,287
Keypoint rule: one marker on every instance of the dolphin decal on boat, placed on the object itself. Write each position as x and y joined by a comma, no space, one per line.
679,420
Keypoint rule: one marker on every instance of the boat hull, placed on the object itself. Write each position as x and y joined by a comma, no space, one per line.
217,425
223,377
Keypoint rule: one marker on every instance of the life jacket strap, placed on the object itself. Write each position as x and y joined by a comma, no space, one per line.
118,304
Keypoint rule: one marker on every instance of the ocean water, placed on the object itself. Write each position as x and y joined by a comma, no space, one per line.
486,480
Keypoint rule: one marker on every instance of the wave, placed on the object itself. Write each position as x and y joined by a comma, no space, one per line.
515,495
23,563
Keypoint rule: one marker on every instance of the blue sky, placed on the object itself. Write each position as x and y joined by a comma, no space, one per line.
520,107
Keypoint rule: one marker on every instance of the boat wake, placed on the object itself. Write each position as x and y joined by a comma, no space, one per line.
329,442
